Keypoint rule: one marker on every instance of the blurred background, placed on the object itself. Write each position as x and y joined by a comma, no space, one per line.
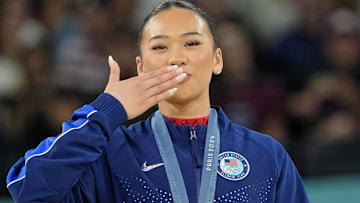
292,70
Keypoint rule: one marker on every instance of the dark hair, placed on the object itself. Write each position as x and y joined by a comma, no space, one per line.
179,4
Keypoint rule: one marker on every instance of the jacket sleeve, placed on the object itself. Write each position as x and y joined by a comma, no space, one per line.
52,171
290,188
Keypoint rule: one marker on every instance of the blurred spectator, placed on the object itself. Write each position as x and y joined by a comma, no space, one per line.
103,29
122,11
38,114
14,13
299,52
249,98
218,12
122,46
335,141
82,57
43,18
30,123
11,77
323,116
268,18
342,49
142,8
38,71
324,93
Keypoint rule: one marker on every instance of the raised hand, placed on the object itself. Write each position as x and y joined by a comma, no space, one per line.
137,94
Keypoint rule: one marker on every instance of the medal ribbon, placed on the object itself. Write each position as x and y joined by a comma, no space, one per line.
172,168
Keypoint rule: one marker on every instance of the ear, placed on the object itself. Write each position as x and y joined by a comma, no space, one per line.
218,62
139,65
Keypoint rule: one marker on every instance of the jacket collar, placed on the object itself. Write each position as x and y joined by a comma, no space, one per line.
182,133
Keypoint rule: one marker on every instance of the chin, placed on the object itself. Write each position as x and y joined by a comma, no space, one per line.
181,97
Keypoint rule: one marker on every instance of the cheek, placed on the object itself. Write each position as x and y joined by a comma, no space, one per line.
203,62
153,61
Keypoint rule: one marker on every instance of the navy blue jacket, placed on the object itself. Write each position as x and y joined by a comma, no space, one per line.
97,159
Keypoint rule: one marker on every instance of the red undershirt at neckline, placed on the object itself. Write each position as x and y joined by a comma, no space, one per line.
189,121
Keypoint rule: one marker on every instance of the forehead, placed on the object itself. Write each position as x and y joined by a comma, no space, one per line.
174,22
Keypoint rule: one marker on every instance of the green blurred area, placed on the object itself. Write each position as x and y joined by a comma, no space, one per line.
5,200
332,189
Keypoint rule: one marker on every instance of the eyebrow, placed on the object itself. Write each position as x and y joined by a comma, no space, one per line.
182,35
191,33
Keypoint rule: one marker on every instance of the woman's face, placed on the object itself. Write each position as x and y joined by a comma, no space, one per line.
180,37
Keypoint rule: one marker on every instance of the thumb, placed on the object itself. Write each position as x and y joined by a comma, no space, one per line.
114,70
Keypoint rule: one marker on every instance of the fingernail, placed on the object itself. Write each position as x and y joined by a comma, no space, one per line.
172,91
181,76
111,60
172,67
179,70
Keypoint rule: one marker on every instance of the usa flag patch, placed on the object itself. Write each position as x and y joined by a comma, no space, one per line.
233,166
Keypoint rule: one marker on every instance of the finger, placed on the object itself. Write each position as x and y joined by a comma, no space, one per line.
114,70
165,86
151,74
161,97
163,78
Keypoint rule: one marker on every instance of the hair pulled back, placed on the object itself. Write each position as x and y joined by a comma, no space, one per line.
184,5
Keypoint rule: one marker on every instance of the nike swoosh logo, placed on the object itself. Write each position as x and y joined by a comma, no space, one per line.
146,168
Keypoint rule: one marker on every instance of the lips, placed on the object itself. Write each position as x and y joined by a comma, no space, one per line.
187,77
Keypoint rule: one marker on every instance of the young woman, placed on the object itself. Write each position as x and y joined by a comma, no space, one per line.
185,152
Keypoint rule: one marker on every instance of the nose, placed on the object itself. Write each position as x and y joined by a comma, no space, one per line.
179,61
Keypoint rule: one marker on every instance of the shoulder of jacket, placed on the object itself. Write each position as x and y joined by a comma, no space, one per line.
263,140
270,145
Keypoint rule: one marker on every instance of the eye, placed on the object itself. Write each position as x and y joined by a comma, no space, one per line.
159,47
192,43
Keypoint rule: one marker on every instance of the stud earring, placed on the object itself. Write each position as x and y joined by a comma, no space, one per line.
219,71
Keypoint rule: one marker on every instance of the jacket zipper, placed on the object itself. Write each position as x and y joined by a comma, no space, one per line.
196,161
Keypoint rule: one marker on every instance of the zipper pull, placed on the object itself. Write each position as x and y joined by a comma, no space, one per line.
192,133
